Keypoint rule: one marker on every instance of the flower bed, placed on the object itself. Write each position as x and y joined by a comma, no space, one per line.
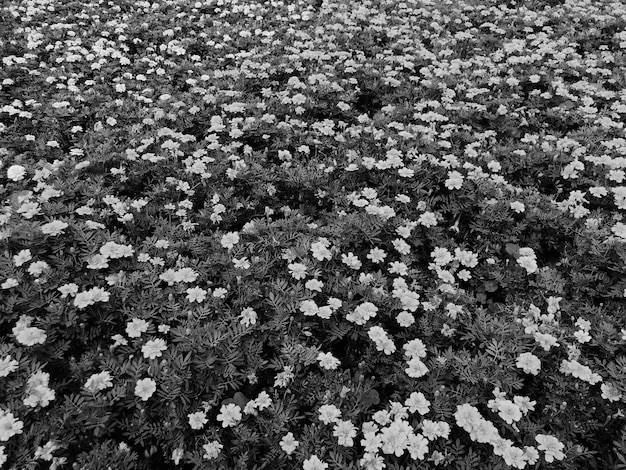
337,235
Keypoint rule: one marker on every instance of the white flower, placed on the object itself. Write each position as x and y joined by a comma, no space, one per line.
196,294
30,336
441,256
22,257
454,181
9,425
230,239
309,307
329,414
619,229
531,455
528,263
545,340
328,361
405,319
376,255
610,392
37,268
344,431
509,411
45,452
114,250
212,450
136,327
297,270
417,446
427,219
551,446
99,382
90,297
417,402
145,388
415,348
314,463
314,284
288,443
518,207
98,261
9,283
467,416
197,420
230,415
16,172
153,348
351,260
320,250
177,454
8,365
38,391
248,316
416,368
56,227
262,401
362,313
529,363
395,437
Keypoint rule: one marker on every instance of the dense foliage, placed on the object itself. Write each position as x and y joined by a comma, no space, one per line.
339,235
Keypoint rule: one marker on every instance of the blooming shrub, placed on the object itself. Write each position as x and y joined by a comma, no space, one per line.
337,235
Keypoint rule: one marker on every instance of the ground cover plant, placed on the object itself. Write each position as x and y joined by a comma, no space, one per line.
331,235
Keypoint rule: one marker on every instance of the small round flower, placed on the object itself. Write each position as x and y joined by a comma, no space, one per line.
509,411
22,257
145,388
288,443
230,239
9,425
9,283
314,284
153,348
345,432
136,327
230,415
16,172
314,463
328,361
417,402
8,365
196,294
297,270
99,382
610,392
56,227
415,348
529,363
263,401
320,250
467,416
416,368
551,446
38,391
30,336
212,450
329,414
248,316
38,268
376,255
197,420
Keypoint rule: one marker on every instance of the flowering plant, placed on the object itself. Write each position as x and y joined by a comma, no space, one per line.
356,235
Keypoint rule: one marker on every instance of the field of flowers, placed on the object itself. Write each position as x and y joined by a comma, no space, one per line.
347,234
